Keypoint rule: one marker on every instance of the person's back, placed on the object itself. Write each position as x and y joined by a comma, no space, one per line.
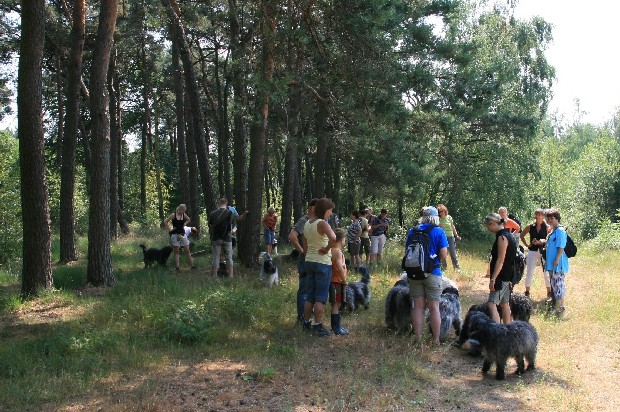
315,242
220,224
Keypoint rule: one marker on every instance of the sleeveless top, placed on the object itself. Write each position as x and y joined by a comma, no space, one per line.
505,275
315,242
534,234
336,278
178,225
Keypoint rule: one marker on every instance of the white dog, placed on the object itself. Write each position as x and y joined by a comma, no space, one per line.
269,270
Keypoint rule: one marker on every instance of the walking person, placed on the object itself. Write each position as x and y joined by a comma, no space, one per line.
379,226
447,224
177,235
500,268
556,263
220,228
318,240
296,237
538,231
426,293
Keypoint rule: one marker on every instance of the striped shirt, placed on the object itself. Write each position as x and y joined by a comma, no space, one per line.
353,231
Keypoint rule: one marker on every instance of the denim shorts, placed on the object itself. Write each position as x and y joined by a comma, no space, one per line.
318,280
500,296
270,235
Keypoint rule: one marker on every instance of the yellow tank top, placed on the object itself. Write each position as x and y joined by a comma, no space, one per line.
316,242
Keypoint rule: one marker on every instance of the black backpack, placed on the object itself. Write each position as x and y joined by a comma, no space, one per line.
418,262
571,248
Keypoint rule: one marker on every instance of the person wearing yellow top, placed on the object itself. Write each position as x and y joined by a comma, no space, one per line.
318,239
339,281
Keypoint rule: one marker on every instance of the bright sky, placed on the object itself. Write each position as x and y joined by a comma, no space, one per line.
583,53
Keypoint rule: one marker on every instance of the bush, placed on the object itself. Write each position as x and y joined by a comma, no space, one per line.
188,324
608,236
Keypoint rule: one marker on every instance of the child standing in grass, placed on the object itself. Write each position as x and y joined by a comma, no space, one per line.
339,278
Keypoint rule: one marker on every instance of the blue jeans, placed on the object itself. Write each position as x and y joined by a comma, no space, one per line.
318,280
301,292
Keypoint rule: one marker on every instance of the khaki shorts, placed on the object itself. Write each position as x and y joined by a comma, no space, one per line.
429,288
502,296
179,240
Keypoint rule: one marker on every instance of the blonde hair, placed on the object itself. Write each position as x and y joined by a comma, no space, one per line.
181,207
442,208
340,233
494,217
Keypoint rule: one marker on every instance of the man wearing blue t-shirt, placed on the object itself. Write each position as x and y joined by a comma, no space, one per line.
427,292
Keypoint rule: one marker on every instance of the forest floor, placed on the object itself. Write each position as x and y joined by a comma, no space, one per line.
271,365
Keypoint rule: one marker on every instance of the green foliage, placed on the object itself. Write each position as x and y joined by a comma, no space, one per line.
10,214
189,323
608,236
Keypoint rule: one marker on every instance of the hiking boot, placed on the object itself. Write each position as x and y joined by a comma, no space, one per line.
319,330
306,325
336,327
559,312
340,331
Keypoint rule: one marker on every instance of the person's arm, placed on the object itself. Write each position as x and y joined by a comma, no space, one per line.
165,223
325,229
305,246
561,241
456,235
358,234
502,246
294,239
443,253
242,216
523,233
186,219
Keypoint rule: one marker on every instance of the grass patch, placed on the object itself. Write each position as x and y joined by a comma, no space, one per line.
78,339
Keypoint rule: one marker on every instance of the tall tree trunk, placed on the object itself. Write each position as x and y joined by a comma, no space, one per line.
99,271
201,136
250,240
321,149
61,110
36,253
68,250
179,100
118,148
160,197
113,151
194,198
240,140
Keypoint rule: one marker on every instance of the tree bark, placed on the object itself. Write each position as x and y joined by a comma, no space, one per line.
179,99
201,136
113,150
117,146
194,198
250,240
160,197
36,253
321,149
99,271
68,250
61,110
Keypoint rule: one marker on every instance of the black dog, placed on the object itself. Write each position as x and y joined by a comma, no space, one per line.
398,306
153,255
520,307
517,340
477,315
358,293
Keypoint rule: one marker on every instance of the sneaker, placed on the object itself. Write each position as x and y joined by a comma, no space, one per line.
559,312
306,325
319,330
527,293
340,331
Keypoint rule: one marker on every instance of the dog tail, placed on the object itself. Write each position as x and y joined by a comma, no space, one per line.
365,278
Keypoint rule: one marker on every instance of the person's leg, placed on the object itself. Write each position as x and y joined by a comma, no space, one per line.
217,250
559,290
228,252
380,245
417,316
506,314
435,319
453,255
374,246
301,291
176,257
310,289
530,264
504,303
188,255
492,306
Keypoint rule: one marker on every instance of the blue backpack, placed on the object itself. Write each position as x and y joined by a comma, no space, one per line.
418,262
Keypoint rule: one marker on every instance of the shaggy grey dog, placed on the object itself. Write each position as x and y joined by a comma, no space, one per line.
517,340
153,255
477,315
398,306
520,307
450,312
358,293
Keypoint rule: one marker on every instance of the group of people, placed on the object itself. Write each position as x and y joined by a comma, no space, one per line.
323,272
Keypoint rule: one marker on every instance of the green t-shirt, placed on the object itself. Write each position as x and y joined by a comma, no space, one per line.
446,224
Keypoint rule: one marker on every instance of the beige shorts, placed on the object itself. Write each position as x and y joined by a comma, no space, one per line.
179,240
500,296
429,288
